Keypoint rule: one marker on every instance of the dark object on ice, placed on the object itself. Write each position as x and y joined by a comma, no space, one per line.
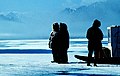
105,59
94,36
53,62
114,40
63,43
54,42
106,52
111,60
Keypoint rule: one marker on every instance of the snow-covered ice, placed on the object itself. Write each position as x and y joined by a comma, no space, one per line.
40,64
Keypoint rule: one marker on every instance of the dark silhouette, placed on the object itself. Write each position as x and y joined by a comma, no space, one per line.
54,42
106,52
63,43
94,36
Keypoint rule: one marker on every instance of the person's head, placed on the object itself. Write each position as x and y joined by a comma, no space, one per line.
63,26
56,27
96,23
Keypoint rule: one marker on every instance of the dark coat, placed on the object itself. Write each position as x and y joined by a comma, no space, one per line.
94,36
64,40
54,40
64,45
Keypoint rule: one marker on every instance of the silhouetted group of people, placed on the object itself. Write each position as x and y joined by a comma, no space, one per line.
59,42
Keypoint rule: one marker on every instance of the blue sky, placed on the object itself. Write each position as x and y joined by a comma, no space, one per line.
29,18
42,4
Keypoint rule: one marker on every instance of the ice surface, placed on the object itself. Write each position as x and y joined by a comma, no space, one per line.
40,64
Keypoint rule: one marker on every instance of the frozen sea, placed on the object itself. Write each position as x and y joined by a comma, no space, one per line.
33,58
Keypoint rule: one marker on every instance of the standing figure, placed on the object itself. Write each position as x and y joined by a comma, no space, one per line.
63,43
94,36
54,42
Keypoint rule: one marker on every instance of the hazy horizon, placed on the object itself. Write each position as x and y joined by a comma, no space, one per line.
32,19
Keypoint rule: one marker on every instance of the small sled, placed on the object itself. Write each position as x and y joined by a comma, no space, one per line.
111,60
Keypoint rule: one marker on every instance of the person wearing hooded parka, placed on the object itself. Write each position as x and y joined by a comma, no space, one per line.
63,43
94,36
54,42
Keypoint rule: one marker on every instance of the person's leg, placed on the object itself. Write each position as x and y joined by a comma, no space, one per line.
65,59
54,55
96,56
90,52
100,50
97,52
53,58
57,57
63,56
89,57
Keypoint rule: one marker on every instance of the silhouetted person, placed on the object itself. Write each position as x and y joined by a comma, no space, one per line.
64,43
54,42
94,36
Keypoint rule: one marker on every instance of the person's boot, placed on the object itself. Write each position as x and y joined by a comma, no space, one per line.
88,64
95,64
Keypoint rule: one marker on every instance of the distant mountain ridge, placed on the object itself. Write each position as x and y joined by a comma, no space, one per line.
10,16
34,22
96,9
107,12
